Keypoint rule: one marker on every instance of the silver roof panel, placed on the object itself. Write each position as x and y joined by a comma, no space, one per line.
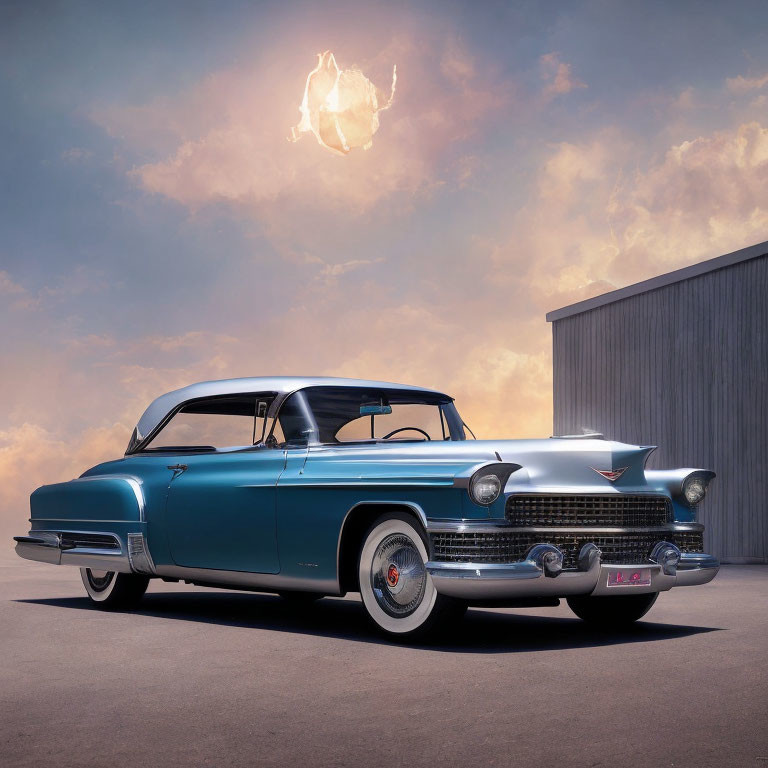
163,405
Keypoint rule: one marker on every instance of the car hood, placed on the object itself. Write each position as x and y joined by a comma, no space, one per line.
553,462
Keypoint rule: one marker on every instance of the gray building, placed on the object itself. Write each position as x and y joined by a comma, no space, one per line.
680,361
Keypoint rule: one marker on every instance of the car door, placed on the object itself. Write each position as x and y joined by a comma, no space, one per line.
221,511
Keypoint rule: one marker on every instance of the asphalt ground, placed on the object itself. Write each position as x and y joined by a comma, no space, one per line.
209,677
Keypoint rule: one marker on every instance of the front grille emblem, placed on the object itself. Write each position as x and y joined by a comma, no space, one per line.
611,474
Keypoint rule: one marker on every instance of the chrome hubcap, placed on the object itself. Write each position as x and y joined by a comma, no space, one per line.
99,580
398,576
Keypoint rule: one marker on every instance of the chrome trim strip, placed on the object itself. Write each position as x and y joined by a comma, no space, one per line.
441,482
76,520
258,582
669,528
138,555
501,526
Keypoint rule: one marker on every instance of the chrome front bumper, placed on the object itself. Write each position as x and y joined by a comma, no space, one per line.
483,581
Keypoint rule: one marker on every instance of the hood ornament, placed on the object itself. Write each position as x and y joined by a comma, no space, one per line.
610,474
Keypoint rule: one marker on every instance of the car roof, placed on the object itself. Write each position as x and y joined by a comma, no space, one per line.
283,385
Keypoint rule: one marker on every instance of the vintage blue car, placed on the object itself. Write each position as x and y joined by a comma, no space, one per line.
321,486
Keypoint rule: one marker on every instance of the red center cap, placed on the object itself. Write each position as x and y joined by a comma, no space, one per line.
393,575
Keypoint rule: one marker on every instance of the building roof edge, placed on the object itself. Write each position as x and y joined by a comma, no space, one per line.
694,270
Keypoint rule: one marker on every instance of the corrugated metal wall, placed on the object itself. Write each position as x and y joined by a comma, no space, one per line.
684,367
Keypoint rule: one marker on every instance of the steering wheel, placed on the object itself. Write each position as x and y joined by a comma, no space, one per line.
404,429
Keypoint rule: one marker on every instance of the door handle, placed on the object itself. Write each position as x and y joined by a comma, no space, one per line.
177,469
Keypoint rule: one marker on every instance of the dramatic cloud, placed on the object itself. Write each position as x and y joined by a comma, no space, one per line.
708,196
557,76
592,225
740,84
240,154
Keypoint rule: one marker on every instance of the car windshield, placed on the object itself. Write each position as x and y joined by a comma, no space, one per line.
337,415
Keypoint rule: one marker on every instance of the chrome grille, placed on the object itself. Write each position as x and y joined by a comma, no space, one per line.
504,547
569,510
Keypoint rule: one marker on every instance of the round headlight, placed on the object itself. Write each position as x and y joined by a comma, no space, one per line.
694,489
486,489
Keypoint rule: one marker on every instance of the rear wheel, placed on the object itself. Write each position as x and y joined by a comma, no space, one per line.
396,589
108,589
609,612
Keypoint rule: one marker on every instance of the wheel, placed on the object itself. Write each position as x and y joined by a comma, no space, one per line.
108,589
300,598
609,612
397,592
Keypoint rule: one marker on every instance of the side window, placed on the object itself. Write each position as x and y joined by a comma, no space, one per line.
222,422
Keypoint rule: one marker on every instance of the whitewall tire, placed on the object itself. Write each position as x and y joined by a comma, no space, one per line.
397,592
108,589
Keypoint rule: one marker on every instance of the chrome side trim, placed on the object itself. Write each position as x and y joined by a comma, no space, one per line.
139,556
75,520
133,482
257,582
395,482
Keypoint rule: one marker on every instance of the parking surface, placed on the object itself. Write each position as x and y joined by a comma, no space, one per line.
208,677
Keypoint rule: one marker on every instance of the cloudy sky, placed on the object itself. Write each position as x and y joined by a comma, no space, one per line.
157,228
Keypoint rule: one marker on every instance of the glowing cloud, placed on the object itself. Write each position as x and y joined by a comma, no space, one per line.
341,106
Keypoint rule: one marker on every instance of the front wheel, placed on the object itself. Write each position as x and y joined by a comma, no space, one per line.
396,589
609,612
108,589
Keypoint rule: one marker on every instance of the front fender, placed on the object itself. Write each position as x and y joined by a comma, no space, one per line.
671,481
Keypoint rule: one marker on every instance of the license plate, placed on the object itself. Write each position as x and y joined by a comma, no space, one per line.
639,577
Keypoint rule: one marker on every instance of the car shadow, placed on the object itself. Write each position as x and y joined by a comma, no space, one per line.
480,631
